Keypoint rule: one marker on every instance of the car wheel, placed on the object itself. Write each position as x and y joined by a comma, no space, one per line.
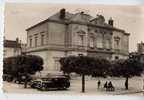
43,88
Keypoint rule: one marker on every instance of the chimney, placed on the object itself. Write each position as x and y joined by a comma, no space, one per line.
110,22
82,12
62,13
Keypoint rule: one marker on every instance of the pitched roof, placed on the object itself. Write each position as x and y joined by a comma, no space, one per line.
71,17
54,17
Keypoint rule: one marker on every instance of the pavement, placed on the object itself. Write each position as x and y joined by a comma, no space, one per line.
135,87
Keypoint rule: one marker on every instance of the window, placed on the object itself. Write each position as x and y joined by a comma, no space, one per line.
117,42
42,39
81,40
36,38
116,57
56,64
30,41
4,53
99,42
91,42
107,44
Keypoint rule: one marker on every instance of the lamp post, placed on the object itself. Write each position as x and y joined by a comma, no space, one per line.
83,77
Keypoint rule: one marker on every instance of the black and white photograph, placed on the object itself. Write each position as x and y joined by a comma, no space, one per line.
73,49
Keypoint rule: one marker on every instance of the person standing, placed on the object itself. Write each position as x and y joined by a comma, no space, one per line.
106,85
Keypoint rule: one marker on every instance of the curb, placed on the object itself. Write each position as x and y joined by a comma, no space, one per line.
132,92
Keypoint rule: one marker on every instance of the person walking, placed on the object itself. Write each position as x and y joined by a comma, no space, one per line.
98,83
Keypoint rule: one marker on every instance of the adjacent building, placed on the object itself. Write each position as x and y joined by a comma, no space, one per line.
140,48
64,34
140,51
13,48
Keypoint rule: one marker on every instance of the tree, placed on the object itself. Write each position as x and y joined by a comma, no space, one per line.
78,65
101,67
127,68
22,65
84,65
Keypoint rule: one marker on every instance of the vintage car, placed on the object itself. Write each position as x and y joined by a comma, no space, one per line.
7,77
21,79
51,82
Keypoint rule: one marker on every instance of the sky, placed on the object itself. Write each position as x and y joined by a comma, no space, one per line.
123,2
20,16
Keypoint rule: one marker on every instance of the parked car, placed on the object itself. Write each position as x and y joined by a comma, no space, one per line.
7,77
51,82
21,79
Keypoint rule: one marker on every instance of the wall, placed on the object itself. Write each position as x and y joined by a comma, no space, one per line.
40,29
117,34
8,52
77,28
122,53
53,58
49,58
56,33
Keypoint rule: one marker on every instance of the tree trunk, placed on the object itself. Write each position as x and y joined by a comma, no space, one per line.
83,83
25,83
126,83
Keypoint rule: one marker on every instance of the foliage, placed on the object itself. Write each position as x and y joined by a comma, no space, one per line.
127,68
85,65
22,64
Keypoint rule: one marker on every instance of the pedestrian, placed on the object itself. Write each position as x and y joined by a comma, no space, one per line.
126,84
105,85
98,83
110,86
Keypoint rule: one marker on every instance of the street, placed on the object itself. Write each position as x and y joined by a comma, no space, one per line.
135,87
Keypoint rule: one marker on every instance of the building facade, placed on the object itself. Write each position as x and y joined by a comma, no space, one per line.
140,51
13,48
64,34
140,48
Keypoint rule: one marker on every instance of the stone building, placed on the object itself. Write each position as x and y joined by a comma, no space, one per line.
64,34
13,48
140,48
140,51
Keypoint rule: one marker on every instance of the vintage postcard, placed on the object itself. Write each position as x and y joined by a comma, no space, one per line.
73,49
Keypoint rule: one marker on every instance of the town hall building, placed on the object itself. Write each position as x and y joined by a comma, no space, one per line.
64,34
